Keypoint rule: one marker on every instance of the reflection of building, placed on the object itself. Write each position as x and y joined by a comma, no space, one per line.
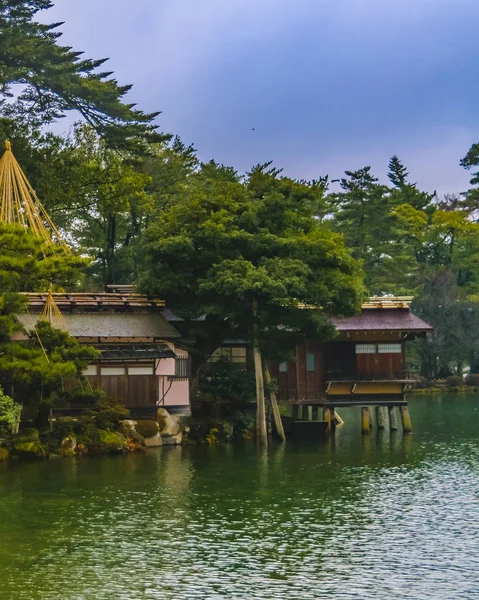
363,365
140,361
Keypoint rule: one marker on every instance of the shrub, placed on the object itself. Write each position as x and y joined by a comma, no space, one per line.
146,428
454,381
472,380
63,426
10,412
108,413
224,381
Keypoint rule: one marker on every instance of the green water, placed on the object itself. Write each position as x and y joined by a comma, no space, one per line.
381,517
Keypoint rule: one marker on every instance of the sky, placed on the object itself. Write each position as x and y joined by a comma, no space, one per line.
317,86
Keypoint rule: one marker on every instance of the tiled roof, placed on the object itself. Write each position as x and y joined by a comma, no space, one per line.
385,320
111,325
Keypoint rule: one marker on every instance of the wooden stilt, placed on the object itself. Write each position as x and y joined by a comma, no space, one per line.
405,419
370,413
315,413
274,406
310,412
295,412
327,418
365,420
393,425
380,417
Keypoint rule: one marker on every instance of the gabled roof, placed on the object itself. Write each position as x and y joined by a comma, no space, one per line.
111,325
382,320
69,302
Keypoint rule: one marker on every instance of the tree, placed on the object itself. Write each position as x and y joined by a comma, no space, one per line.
56,79
32,371
252,254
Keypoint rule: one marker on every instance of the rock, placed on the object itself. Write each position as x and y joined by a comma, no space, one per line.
173,440
24,447
153,442
168,424
112,441
128,425
3,453
68,445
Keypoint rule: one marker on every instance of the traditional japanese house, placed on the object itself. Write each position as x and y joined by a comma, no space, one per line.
363,366
141,360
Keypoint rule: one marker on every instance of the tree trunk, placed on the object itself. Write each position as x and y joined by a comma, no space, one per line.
261,432
274,405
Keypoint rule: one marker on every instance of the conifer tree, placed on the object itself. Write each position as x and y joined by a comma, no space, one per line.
57,79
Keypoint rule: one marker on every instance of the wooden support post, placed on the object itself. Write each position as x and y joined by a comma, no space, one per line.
371,422
327,418
315,413
405,419
365,420
338,419
380,417
393,425
310,412
274,406
295,412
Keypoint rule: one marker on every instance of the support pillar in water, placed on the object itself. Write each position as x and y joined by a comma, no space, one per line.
315,413
393,425
295,413
365,420
405,419
327,417
380,417
371,422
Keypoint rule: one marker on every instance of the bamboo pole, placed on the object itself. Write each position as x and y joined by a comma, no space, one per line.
274,405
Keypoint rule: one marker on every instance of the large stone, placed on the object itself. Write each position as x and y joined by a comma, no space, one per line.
68,445
168,424
153,442
173,440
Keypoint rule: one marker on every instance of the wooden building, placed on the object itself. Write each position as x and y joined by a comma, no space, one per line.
141,360
363,366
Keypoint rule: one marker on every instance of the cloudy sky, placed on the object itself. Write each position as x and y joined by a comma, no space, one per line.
327,85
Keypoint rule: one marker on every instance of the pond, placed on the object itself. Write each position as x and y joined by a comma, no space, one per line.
384,516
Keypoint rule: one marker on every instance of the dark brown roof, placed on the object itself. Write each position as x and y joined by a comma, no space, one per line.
381,320
114,325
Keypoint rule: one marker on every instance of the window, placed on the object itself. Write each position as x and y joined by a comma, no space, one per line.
140,371
283,367
182,368
113,370
310,362
90,370
233,354
389,348
365,348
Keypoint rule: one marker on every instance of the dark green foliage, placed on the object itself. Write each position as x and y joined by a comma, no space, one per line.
454,381
56,79
225,381
10,413
472,380
146,428
108,413
26,444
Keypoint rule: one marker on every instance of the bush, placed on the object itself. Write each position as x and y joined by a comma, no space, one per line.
472,380
63,426
147,428
224,381
454,381
10,413
108,413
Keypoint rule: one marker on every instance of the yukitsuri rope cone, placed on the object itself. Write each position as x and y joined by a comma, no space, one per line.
19,204
52,313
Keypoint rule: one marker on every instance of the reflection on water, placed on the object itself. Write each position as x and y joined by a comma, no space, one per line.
381,516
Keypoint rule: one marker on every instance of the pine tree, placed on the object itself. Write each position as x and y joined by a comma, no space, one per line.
57,79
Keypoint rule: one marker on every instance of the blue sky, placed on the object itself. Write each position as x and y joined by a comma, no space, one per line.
327,85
